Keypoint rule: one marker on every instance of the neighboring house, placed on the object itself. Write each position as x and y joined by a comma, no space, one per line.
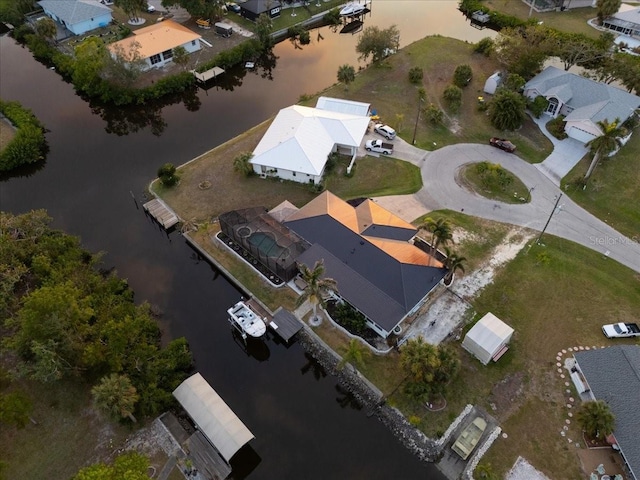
367,250
624,22
252,9
155,43
613,376
77,16
299,140
344,106
582,101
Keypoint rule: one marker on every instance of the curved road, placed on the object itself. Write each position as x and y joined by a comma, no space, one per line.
570,221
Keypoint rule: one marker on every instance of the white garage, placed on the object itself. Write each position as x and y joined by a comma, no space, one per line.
488,339
580,134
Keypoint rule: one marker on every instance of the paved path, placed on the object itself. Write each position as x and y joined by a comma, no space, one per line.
440,190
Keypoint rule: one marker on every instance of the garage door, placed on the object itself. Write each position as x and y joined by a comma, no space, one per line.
581,135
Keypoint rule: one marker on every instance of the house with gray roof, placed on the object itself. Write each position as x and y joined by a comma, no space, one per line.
613,376
582,101
77,16
367,250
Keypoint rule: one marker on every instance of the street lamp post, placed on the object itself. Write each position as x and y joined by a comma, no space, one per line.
529,194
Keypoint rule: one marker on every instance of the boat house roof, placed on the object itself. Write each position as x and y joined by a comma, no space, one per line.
212,415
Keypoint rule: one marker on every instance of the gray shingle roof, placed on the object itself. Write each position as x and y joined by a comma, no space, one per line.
74,11
590,100
613,374
380,286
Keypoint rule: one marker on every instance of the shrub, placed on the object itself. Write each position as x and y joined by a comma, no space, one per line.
433,114
29,144
453,97
493,176
538,105
349,318
556,127
484,46
415,75
462,76
167,175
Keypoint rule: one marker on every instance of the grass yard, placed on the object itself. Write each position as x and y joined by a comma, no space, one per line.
514,192
613,191
389,85
574,20
69,435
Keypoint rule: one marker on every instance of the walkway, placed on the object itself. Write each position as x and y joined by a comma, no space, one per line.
441,190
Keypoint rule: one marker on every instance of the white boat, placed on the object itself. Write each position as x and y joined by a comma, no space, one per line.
351,9
246,320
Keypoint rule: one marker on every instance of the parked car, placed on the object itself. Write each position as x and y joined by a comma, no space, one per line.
621,330
379,146
385,130
502,144
150,8
232,7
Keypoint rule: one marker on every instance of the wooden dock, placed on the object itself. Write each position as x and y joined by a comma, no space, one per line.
161,213
283,322
210,74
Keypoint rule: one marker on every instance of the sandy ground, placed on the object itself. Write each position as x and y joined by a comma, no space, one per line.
522,470
442,317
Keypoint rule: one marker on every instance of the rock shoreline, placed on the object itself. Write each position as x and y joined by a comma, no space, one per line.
425,448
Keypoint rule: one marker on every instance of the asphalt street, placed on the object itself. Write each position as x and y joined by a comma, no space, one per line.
441,190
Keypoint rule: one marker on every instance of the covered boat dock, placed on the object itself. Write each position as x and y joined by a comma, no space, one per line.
214,419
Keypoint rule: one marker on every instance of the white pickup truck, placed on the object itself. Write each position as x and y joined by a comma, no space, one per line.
621,330
379,146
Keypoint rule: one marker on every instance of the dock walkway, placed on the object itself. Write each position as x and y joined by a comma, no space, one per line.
161,213
283,322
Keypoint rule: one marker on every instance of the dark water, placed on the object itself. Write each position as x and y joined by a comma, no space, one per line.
305,428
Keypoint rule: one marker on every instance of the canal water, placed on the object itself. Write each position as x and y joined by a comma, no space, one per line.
100,159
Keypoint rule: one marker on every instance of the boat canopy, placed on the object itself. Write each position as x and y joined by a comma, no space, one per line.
212,416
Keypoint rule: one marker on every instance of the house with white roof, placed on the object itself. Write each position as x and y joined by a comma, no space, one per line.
77,16
344,106
300,139
583,102
155,43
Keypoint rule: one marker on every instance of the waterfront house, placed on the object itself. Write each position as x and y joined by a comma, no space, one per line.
625,22
77,16
581,100
252,9
154,44
300,139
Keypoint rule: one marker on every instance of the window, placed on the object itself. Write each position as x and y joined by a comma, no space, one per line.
294,173
155,59
193,42
167,54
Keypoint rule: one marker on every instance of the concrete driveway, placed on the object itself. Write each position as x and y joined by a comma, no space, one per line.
441,190
566,154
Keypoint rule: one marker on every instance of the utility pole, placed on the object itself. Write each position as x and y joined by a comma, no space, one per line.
549,219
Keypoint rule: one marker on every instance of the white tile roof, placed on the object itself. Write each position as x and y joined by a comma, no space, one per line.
301,138
75,11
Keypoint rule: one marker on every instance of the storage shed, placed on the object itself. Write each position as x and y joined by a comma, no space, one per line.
492,83
212,416
488,339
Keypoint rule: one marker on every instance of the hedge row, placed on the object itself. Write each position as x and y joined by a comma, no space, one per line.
28,145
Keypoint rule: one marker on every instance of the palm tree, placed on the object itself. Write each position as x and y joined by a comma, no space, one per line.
116,396
317,287
419,360
242,165
596,419
355,354
605,143
440,232
453,262
346,75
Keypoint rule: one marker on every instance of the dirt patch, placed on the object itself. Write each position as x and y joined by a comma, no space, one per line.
506,395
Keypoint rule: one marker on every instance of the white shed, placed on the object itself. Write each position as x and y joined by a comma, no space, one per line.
492,83
488,339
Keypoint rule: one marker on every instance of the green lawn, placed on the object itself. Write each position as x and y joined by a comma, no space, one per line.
514,192
613,191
